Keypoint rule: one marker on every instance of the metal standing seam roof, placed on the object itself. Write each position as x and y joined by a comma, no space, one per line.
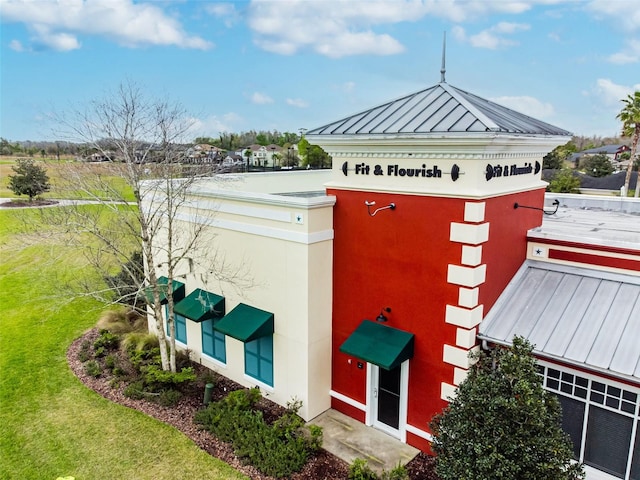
442,108
574,315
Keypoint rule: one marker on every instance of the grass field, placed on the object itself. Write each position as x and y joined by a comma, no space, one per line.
51,425
57,170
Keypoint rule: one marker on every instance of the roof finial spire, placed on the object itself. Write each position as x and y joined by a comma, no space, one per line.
444,49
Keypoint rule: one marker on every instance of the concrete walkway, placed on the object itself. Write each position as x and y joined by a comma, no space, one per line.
349,439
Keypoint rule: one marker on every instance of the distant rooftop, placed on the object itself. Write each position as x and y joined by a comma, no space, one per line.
442,108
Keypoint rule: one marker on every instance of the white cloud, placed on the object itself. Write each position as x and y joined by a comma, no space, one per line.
297,102
610,94
624,14
261,99
631,54
214,125
16,46
57,24
336,28
339,28
528,105
491,38
554,36
225,11
62,42
349,87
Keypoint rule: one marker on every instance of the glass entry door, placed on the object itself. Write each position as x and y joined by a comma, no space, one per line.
386,399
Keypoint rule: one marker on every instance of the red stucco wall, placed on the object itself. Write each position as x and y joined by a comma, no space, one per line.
399,259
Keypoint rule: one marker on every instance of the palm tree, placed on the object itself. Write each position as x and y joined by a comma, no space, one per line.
630,117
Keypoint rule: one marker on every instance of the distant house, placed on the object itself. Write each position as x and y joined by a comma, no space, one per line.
204,153
614,153
233,160
264,155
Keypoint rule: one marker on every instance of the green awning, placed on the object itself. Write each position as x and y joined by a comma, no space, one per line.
200,305
376,343
246,323
163,282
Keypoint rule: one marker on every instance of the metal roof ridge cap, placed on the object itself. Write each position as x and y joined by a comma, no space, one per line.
491,125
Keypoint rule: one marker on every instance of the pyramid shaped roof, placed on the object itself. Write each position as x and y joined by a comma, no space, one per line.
440,109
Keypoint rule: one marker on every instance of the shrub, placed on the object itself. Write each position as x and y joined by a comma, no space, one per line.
208,376
30,179
118,321
85,351
360,470
156,379
142,349
106,341
398,473
139,341
135,390
169,398
564,181
278,450
502,411
110,362
92,368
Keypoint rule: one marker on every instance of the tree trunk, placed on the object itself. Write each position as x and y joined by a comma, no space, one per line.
162,338
632,158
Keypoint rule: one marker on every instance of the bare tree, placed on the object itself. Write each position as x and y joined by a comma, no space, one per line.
141,140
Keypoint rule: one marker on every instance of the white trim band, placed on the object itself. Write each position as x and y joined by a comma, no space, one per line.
347,400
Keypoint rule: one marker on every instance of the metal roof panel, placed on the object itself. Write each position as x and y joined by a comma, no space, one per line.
573,314
435,110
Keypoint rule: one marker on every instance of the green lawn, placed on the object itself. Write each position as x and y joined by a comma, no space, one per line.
57,171
50,424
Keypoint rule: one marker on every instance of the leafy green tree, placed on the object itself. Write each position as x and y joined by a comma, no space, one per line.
317,158
552,160
556,158
261,139
630,117
303,146
205,141
597,165
502,424
29,179
564,181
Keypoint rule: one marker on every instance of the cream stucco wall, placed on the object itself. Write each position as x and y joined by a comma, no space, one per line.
280,247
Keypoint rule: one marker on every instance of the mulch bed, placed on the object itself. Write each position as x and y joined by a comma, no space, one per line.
322,465
27,203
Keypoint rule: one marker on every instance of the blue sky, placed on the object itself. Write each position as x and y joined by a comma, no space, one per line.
290,64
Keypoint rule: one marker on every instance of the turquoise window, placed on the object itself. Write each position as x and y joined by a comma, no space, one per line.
258,359
180,323
213,342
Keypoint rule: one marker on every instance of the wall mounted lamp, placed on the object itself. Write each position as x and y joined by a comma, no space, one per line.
382,317
391,206
556,203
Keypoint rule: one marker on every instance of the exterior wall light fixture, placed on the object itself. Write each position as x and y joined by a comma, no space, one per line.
382,317
556,204
391,206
